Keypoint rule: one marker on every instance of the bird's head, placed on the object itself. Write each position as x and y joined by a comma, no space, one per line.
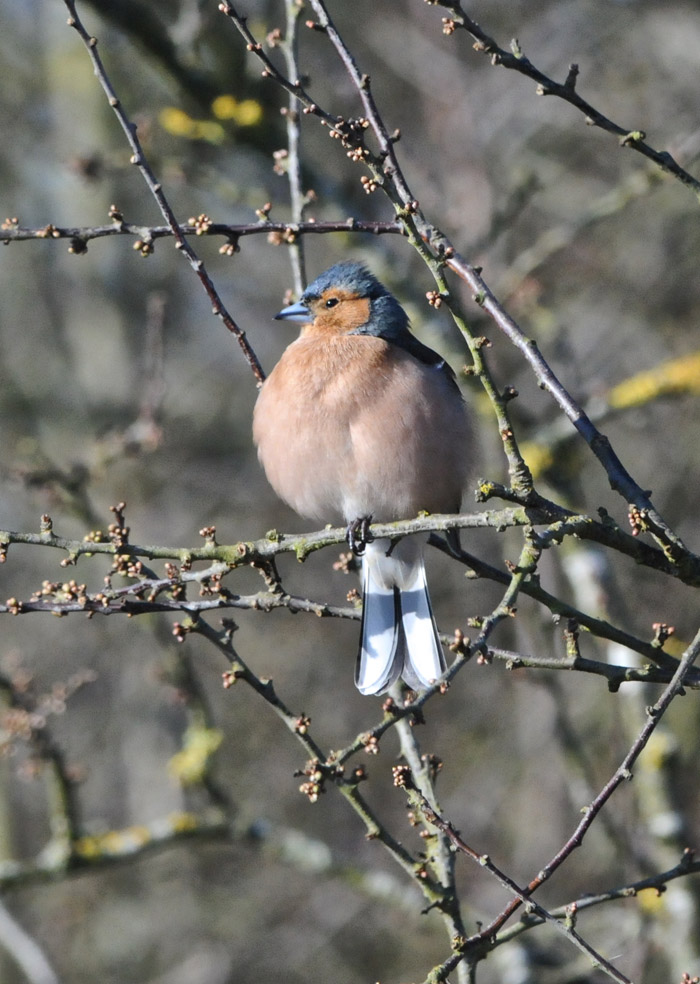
348,300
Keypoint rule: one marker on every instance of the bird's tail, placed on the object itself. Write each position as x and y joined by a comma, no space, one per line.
398,635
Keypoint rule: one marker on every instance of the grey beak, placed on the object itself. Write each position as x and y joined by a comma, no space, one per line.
295,312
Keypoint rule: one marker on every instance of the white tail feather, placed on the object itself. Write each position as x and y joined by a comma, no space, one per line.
379,662
398,635
424,660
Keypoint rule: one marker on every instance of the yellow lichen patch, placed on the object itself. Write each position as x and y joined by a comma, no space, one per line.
538,457
680,375
183,823
650,901
88,848
113,843
247,112
181,124
189,766
176,121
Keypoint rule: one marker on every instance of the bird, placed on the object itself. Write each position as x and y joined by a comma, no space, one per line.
360,421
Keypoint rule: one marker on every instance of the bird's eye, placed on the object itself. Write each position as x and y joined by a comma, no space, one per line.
331,302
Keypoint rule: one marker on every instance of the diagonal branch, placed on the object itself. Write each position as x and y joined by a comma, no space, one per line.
322,769
483,941
622,774
546,86
654,883
139,159
467,948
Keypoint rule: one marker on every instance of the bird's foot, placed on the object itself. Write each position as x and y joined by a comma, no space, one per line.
358,535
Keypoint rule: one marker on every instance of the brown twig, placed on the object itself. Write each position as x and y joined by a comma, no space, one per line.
516,60
622,774
232,232
322,769
473,948
481,943
139,159
654,883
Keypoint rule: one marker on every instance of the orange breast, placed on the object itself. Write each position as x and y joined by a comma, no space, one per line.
348,425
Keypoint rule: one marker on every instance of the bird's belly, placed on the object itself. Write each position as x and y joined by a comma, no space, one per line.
303,461
343,444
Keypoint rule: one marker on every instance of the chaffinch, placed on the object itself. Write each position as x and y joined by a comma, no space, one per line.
358,420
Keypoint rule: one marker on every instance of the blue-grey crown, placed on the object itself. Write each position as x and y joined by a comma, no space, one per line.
349,275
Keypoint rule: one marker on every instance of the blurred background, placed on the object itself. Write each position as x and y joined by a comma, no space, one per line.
116,383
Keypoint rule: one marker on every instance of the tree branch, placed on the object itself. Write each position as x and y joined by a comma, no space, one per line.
139,159
516,60
12,232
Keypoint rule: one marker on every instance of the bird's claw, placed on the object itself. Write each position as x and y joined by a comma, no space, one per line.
358,535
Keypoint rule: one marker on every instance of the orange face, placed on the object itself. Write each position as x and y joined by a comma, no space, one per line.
336,312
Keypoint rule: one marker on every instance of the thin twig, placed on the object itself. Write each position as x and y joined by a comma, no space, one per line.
13,233
321,769
290,49
139,159
441,858
522,895
516,60
622,774
656,883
